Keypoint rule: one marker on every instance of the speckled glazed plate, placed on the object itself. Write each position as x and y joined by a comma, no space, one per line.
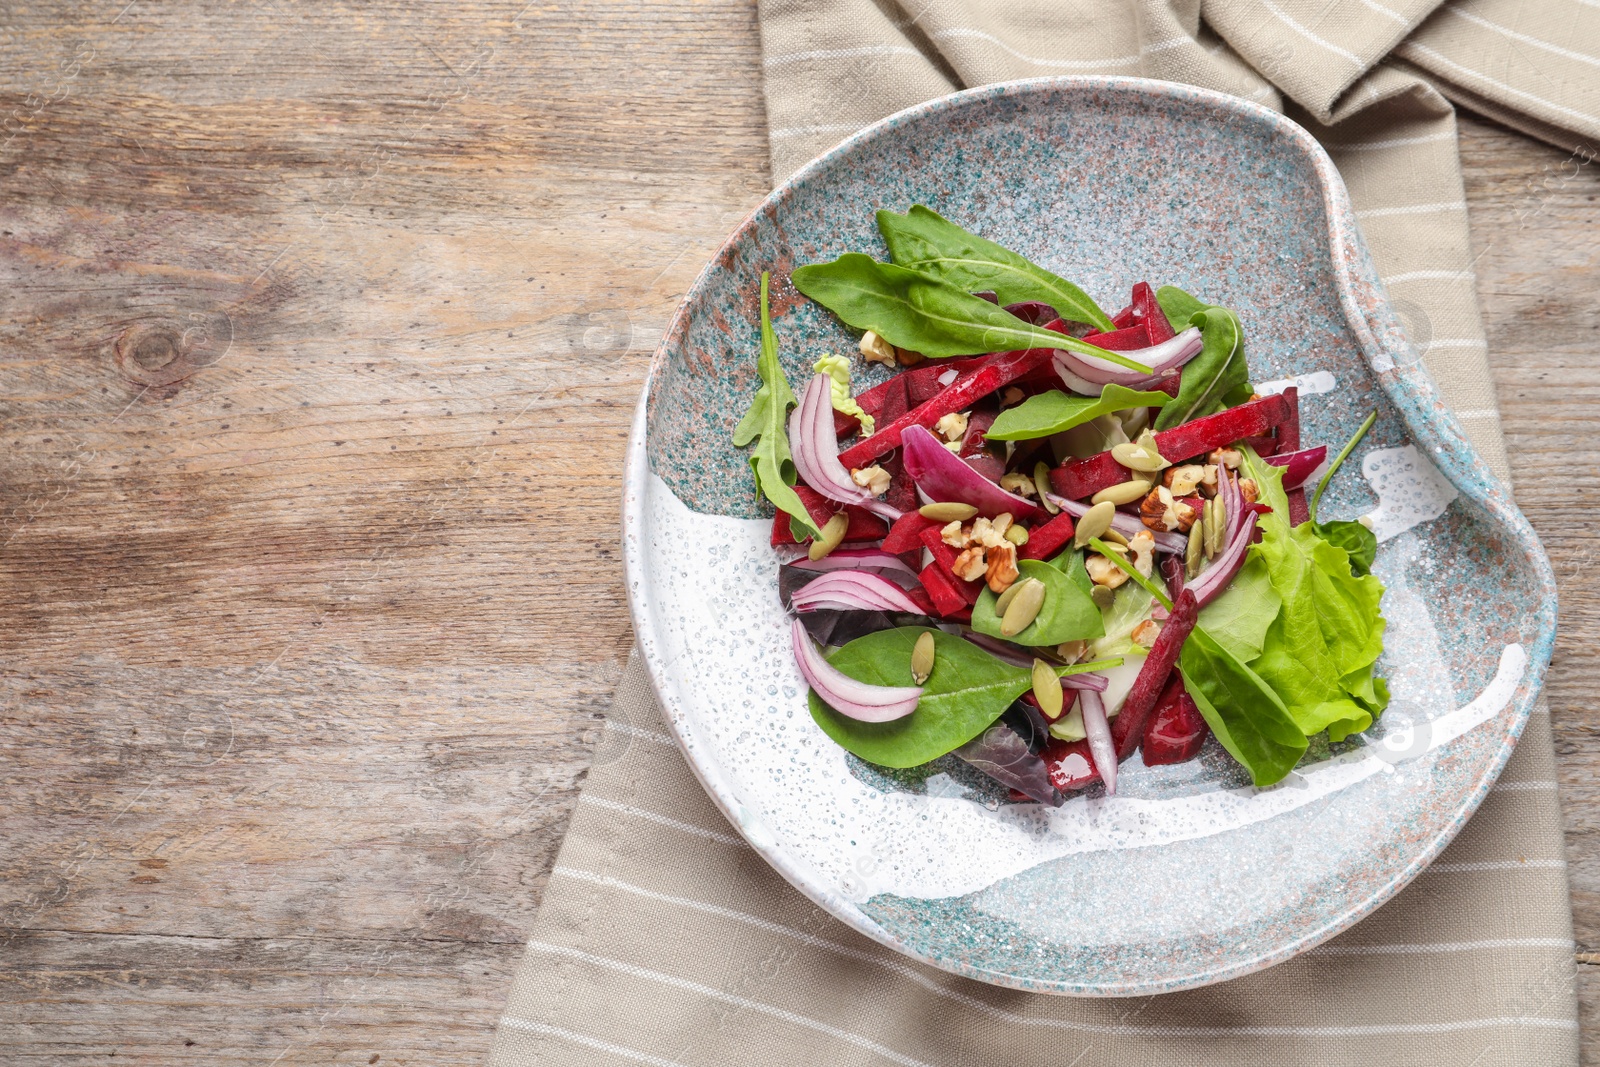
1188,875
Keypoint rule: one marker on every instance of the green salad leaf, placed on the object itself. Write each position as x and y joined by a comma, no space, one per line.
1248,717
1212,376
1067,615
1354,538
1238,619
771,462
1179,307
1055,411
968,691
1320,649
920,312
923,240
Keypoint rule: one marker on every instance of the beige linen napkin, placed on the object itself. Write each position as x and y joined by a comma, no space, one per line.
663,939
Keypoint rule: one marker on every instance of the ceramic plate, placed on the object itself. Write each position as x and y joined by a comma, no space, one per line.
1188,875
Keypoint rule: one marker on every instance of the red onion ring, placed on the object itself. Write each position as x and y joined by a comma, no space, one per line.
1098,732
943,477
1088,374
842,693
853,591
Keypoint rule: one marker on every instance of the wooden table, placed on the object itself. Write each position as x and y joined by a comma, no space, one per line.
322,327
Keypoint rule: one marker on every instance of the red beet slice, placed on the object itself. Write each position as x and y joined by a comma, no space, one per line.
948,600
1070,764
1083,478
1148,311
1129,339
1127,729
959,395
1176,731
944,558
1289,441
864,525
1046,540
906,534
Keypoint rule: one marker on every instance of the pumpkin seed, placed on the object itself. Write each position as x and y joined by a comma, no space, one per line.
1114,536
1047,689
1194,551
1003,601
1102,596
1041,483
1216,527
1122,493
1137,458
1017,535
832,535
947,512
922,658
1023,609
1095,521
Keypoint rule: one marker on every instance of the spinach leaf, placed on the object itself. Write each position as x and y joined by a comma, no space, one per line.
1238,619
1054,411
919,312
1320,649
922,240
1360,542
1241,708
968,690
770,461
1179,307
1215,373
1067,615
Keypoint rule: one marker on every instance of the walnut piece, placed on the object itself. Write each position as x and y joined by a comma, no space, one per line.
1143,547
1103,572
1249,489
876,350
1020,484
1001,568
970,565
1146,632
952,427
874,479
1160,510
1226,457
1183,480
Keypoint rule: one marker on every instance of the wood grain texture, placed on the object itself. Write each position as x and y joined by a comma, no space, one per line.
321,328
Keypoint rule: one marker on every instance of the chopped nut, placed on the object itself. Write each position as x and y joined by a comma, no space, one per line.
1144,552
1020,484
955,535
1249,490
984,533
1226,457
1208,480
954,446
1183,480
1001,523
970,565
952,427
1146,633
1071,650
876,350
1103,572
874,479
908,358
1160,510
1011,397
1001,569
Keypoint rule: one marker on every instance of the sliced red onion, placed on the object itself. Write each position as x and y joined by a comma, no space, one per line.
842,693
886,564
1096,682
815,448
1215,578
1301,465
943,476
1090,373
1004,651
852,591
1098,732
1125,524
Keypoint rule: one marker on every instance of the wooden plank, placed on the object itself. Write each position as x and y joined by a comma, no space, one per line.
296,697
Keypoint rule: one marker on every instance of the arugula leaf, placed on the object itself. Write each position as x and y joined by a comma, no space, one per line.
1055,411
968,690
1067,615
1238,619
1354,538
1241,708
922,313
1321,647
1214,374
771,462
922,240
